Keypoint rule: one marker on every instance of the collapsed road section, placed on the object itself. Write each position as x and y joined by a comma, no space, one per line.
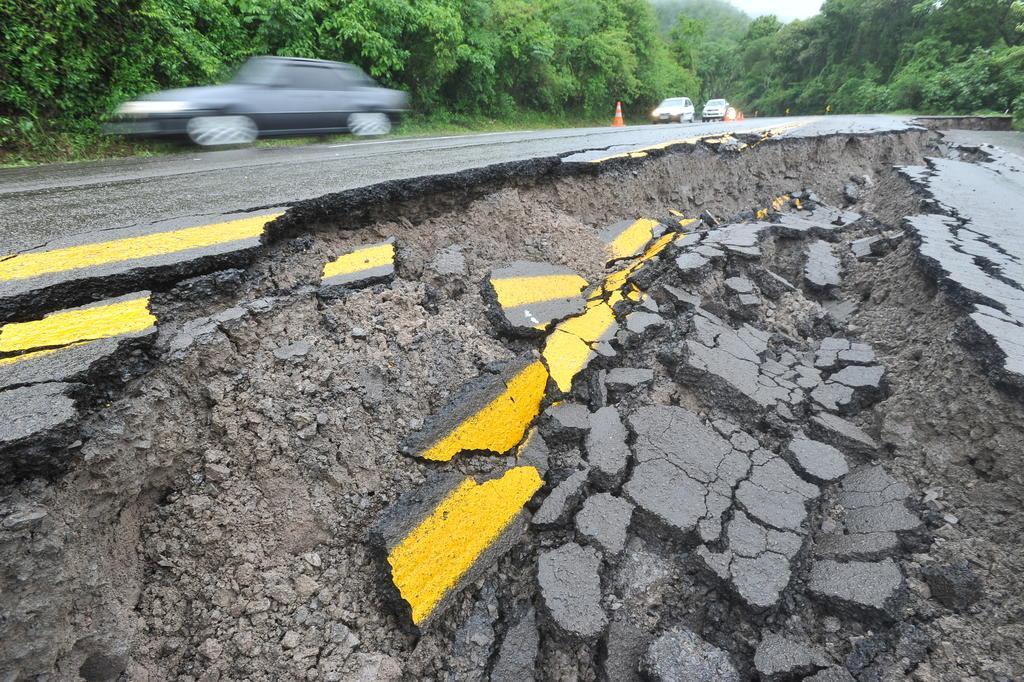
733,408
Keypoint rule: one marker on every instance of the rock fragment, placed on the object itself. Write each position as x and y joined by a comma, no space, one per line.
860,585
570,588
604,521
517,657
821,271
606,448
780,657
955,585
681,655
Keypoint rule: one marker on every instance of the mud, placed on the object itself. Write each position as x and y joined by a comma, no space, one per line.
212,519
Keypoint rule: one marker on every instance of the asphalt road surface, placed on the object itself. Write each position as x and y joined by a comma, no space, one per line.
46,202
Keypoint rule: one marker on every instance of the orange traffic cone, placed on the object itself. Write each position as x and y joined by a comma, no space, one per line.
617,122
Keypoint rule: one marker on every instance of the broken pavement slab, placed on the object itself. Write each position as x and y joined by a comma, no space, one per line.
442,536
533,295
604,520
76,269
359,268
490,413
873,587
822,269
36,417
74,344
629,238
680,655
569,580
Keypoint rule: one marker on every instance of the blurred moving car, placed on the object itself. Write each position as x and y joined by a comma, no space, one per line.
268,96
676,109
714,110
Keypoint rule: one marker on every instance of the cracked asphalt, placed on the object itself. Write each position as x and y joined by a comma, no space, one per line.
43,203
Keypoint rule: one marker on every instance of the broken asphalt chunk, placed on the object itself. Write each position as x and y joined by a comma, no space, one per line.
36,418
859,585
779,657
681,655
442,536
76,269
569,580
77,344
822,269
842,434
819,461
489,414
628,238
532,295
561,502
606,449
359,268
604,521
517,657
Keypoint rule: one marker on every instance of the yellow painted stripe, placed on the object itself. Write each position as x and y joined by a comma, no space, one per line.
568,349
631,240
714,137
517,291
28,265
500,425
81,324
429,561
361,259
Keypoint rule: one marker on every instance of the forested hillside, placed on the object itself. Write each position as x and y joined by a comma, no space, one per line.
65,64
860,55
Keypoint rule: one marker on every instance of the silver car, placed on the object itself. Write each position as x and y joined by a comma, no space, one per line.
268,96
714,110
676,109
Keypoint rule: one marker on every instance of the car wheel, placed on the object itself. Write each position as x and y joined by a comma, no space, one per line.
212,131
369,123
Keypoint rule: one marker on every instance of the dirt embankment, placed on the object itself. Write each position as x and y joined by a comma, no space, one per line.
213,521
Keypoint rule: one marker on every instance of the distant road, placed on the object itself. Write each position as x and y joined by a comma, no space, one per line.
41,203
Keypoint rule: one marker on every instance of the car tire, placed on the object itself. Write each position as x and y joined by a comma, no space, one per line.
215,131
369,123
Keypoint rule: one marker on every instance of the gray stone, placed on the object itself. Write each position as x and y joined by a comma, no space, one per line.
821,271
627,378
606,448
680,656
860,546
776,496
851,193
565,422
834,674
559,505
23,519
841,434
604,521
639,322
819,461
780,657
955,585
298,349
685,472
570,590
517,657
625,644
869,586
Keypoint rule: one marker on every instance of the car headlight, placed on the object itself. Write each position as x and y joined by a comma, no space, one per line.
152,107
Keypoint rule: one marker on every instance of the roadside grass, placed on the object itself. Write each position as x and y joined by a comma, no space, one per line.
40,147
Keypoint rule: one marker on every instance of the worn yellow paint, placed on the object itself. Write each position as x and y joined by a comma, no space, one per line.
640,152
762,214
431,560
361,259
10,360
799,204
686,222
779,202
570,346
29,265
502,422
517,291
631,240
69,327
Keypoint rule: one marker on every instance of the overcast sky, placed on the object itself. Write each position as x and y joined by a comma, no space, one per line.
787,11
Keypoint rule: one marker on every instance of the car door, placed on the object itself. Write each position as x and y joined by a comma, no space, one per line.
303,98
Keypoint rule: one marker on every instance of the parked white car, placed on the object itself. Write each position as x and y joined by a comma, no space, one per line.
677,109
714,110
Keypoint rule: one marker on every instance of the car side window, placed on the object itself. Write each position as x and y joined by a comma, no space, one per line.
312,77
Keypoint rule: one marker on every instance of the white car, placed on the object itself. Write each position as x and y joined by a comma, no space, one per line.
676,109
714,110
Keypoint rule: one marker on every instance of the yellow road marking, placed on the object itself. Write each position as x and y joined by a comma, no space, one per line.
28,265
361,259
429,561
631,240
776,204
569,348
517,291
74,326
500,425
711,137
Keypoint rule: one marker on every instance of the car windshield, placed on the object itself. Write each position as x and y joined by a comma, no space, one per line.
673,102
715,102
255,72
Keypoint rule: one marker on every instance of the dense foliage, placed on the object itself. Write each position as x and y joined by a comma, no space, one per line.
934,56
64,64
